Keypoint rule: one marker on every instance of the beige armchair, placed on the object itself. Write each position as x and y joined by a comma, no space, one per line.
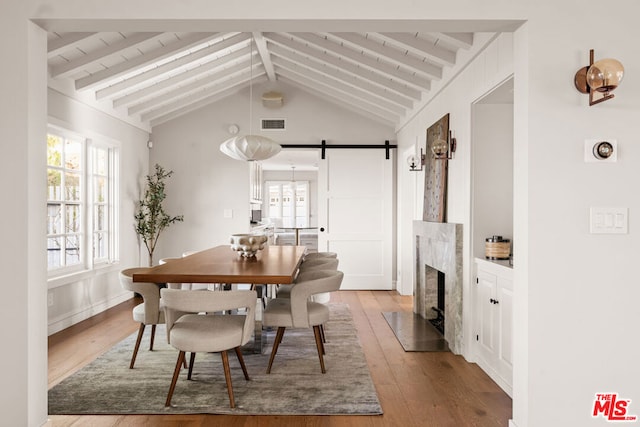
299,311
208,333
319,255
329,263
149,312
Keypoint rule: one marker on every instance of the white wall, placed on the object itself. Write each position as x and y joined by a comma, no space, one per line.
492,174
80,296
582,294
206,182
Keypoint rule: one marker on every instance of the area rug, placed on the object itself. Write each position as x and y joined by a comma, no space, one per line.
295,386
414,332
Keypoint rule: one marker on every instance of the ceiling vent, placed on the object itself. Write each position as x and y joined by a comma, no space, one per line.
272,99
272,124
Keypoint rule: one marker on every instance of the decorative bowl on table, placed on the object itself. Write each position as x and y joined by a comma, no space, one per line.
248,245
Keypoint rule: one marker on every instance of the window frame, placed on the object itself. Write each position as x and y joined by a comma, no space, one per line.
87,201
293,207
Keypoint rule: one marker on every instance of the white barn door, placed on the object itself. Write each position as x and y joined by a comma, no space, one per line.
355,215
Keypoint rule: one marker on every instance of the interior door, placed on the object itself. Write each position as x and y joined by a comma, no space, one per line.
355,215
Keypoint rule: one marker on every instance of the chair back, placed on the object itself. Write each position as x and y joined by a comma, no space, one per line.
319,255
310,283
150,293
320,264
178,302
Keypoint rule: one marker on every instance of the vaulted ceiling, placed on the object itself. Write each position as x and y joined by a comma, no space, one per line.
151,78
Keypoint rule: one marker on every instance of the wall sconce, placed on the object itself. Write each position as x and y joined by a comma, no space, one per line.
599,79
444,149
415,161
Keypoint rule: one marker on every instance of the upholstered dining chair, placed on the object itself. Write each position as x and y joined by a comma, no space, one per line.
316,255
283,291
149,312
299,311
208,333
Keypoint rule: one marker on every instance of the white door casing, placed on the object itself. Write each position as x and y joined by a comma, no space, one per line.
355,215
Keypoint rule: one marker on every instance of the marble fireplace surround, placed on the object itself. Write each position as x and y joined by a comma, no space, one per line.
439,245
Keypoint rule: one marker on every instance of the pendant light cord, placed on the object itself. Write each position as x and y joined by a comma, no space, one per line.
251,87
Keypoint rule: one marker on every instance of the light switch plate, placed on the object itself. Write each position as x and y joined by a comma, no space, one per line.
589,157
607,220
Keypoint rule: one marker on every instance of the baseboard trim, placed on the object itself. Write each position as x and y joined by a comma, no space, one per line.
512,424
66,320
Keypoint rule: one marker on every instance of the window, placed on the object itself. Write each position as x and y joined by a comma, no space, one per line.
289,202
81,222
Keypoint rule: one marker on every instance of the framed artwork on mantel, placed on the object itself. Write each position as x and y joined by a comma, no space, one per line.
435,177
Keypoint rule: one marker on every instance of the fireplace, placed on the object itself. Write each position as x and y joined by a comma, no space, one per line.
434,280
438,264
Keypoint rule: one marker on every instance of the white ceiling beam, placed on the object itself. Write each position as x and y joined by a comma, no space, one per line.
202,103
337,85
340,77
235,42
261,45
139,62
66,42
182,78
390,54
279,44
195,86
335,89
162,97
342,100
461,40
198,96
66,69
421,47
419,82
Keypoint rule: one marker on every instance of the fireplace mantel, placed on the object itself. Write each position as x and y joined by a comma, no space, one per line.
439,245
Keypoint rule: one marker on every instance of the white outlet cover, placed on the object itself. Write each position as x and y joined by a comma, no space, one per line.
589,157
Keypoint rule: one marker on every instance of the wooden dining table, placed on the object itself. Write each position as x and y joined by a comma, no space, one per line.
272,265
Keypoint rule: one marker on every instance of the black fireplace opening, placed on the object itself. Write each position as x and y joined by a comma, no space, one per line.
438,321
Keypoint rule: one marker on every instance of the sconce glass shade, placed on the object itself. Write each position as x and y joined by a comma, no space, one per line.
605,75
440,148
250,147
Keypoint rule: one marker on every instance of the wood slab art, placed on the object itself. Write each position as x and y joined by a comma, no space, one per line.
435,177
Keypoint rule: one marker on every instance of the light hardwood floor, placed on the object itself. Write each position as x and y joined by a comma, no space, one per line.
426,389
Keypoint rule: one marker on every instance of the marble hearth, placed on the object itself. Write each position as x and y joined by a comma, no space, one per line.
439,246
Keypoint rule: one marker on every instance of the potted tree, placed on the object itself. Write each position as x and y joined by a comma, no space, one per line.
151,219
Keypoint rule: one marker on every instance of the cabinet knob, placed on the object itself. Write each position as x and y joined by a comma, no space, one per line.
321,229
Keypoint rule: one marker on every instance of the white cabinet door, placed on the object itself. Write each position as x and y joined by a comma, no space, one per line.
504,306
355,215
485,294
494,317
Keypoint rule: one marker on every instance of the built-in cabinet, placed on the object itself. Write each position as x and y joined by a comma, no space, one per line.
492,215
494,321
